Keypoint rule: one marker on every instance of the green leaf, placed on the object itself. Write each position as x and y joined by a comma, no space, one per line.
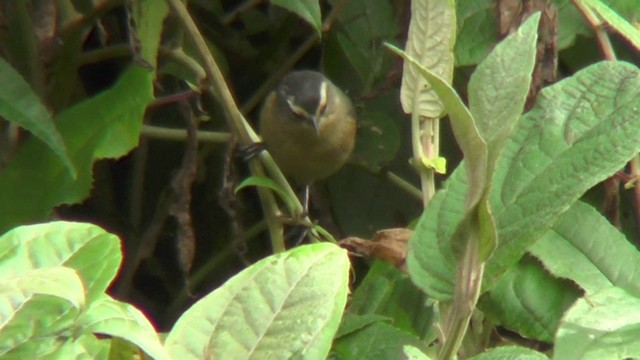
121,136
353,322
439,164
604,325
378,139
571,24
413,353
107,125
582,130
497,93
376,341
111,317
585,248
84,347
388,292
433,267
356,36
510,353
477,31
430,41
286,305
20,105
269,184
148,16
35,181
529,301
91,251
309,10
35,304
499,86
622,26
462,122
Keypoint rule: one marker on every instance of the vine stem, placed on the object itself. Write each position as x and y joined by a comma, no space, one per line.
466,294
238,124
424,144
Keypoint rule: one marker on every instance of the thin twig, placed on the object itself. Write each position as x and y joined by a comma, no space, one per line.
246,136
157,132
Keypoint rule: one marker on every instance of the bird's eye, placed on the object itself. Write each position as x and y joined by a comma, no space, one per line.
295,109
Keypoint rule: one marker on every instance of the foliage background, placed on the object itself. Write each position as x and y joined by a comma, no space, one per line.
72,52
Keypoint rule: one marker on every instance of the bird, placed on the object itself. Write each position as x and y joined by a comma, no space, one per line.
308,125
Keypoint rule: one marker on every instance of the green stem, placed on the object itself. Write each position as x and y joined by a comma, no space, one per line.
238,124
424,140
158,132
467,291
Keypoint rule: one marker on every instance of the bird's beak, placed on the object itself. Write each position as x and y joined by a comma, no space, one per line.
316,123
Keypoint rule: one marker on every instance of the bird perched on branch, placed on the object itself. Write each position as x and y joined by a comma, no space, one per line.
308,125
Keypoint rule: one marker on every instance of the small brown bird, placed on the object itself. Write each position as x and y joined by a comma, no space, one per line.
308,125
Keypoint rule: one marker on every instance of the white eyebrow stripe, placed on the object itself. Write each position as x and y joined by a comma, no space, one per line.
323,97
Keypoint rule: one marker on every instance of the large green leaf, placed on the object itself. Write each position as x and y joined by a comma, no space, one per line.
529,301
107,125
20,105
88,249
35,180
286,305
585,248
108,316
604,325
502,81
582,130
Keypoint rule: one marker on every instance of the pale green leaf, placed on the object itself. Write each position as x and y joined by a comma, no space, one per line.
286,305
36,304
510,353
584,247
604,325
499,86
91,251
462,122
413,353
430,42
108,316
